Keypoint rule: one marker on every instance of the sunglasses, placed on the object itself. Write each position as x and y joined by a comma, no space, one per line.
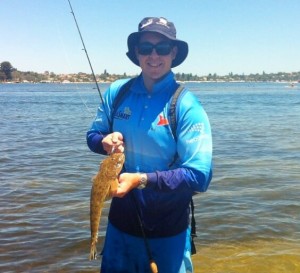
162,48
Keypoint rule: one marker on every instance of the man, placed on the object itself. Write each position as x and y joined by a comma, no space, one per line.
149,214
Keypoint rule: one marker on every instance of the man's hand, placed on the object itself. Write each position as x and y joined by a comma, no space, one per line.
127,182
113,143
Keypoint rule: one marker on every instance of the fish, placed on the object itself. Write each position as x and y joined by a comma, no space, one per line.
104,183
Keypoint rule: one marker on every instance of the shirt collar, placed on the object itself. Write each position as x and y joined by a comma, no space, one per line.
163,84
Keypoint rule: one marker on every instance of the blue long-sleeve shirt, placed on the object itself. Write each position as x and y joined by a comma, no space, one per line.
150,147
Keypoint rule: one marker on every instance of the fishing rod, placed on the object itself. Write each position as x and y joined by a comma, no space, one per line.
88,58
153,265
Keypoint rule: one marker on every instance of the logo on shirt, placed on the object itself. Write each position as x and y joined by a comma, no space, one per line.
197,127
125,114
162,121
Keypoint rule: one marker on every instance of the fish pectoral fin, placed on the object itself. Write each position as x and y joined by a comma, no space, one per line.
112,188
108,197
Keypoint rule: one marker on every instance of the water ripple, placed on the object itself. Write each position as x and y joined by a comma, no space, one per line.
248,221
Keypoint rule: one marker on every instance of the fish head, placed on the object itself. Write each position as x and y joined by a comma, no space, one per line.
116,162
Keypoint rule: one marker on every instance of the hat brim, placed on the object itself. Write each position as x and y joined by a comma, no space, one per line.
134,37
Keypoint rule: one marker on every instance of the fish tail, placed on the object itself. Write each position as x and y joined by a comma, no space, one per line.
93,252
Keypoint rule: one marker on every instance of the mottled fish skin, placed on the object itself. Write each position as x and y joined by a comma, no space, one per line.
104,183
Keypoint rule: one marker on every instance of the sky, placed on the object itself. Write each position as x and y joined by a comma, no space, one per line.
224,36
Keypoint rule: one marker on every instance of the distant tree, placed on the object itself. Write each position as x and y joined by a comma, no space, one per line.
7,69
2,76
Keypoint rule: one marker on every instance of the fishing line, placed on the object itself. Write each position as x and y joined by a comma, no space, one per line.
88,58
67,59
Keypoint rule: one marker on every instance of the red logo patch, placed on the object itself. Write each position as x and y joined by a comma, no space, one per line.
162,121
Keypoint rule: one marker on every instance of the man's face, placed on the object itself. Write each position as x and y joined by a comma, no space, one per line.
154,66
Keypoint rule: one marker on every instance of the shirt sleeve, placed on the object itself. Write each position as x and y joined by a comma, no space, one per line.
94,142
101,125
194,148
99,129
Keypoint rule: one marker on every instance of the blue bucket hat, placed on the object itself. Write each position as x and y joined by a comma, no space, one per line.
157,25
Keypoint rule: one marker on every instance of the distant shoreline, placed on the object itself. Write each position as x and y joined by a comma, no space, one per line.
109,82
16,76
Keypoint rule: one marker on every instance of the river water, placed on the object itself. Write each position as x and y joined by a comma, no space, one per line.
247,221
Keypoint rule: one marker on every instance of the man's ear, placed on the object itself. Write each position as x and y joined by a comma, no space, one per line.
174,52
136,53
